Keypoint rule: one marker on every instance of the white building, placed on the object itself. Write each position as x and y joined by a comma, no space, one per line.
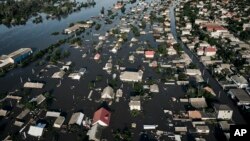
59,122
171,51
240,96
200,51
3,112
108,93
52,114
35,131
58,74
34,85
193,72
74,28
135,103
185,32
202,129
75,76
95,132
76,118
154,88
125,30
240,81
131,76
188,26
5,61
224,112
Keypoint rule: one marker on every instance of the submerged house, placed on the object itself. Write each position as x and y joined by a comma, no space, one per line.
95,132
135,103
102,117
76,118
20,54
131,76
37,130
108,93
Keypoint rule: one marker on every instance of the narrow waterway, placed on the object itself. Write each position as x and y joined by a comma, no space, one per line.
222,96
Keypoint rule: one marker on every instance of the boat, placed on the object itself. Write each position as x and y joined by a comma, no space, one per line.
114,76
84,55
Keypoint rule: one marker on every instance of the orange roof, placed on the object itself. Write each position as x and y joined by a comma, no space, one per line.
210,49
194,114
215,27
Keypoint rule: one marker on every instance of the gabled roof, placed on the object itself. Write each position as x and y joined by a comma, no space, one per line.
108,92
102,115
149,52
76,118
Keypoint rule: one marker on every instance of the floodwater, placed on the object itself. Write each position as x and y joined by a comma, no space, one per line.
72,99
39,35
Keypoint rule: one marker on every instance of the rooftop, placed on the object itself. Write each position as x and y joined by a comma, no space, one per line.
19,52
102,115
198,102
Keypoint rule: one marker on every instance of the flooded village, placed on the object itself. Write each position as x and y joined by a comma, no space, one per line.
124,74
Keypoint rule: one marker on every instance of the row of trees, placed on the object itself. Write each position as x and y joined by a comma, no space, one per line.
14,12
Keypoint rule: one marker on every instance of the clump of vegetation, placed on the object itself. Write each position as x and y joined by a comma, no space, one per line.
122,135
135,30
55,33
138,88
134,113
97,26
14,12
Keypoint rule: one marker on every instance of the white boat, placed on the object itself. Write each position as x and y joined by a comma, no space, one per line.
84,55
114,76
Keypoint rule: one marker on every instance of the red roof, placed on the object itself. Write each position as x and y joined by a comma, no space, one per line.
214,27
102,115
149,53
210,49
97,56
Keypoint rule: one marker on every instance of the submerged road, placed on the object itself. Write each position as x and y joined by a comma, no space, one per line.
222,96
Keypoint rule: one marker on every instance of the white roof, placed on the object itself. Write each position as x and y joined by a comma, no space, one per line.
52,114
239,79
59,74
198,102
35,131
75,76
33,85
193,72
39,99
154,88
76,118
18,52
3,112
131,76
59,121
108,92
